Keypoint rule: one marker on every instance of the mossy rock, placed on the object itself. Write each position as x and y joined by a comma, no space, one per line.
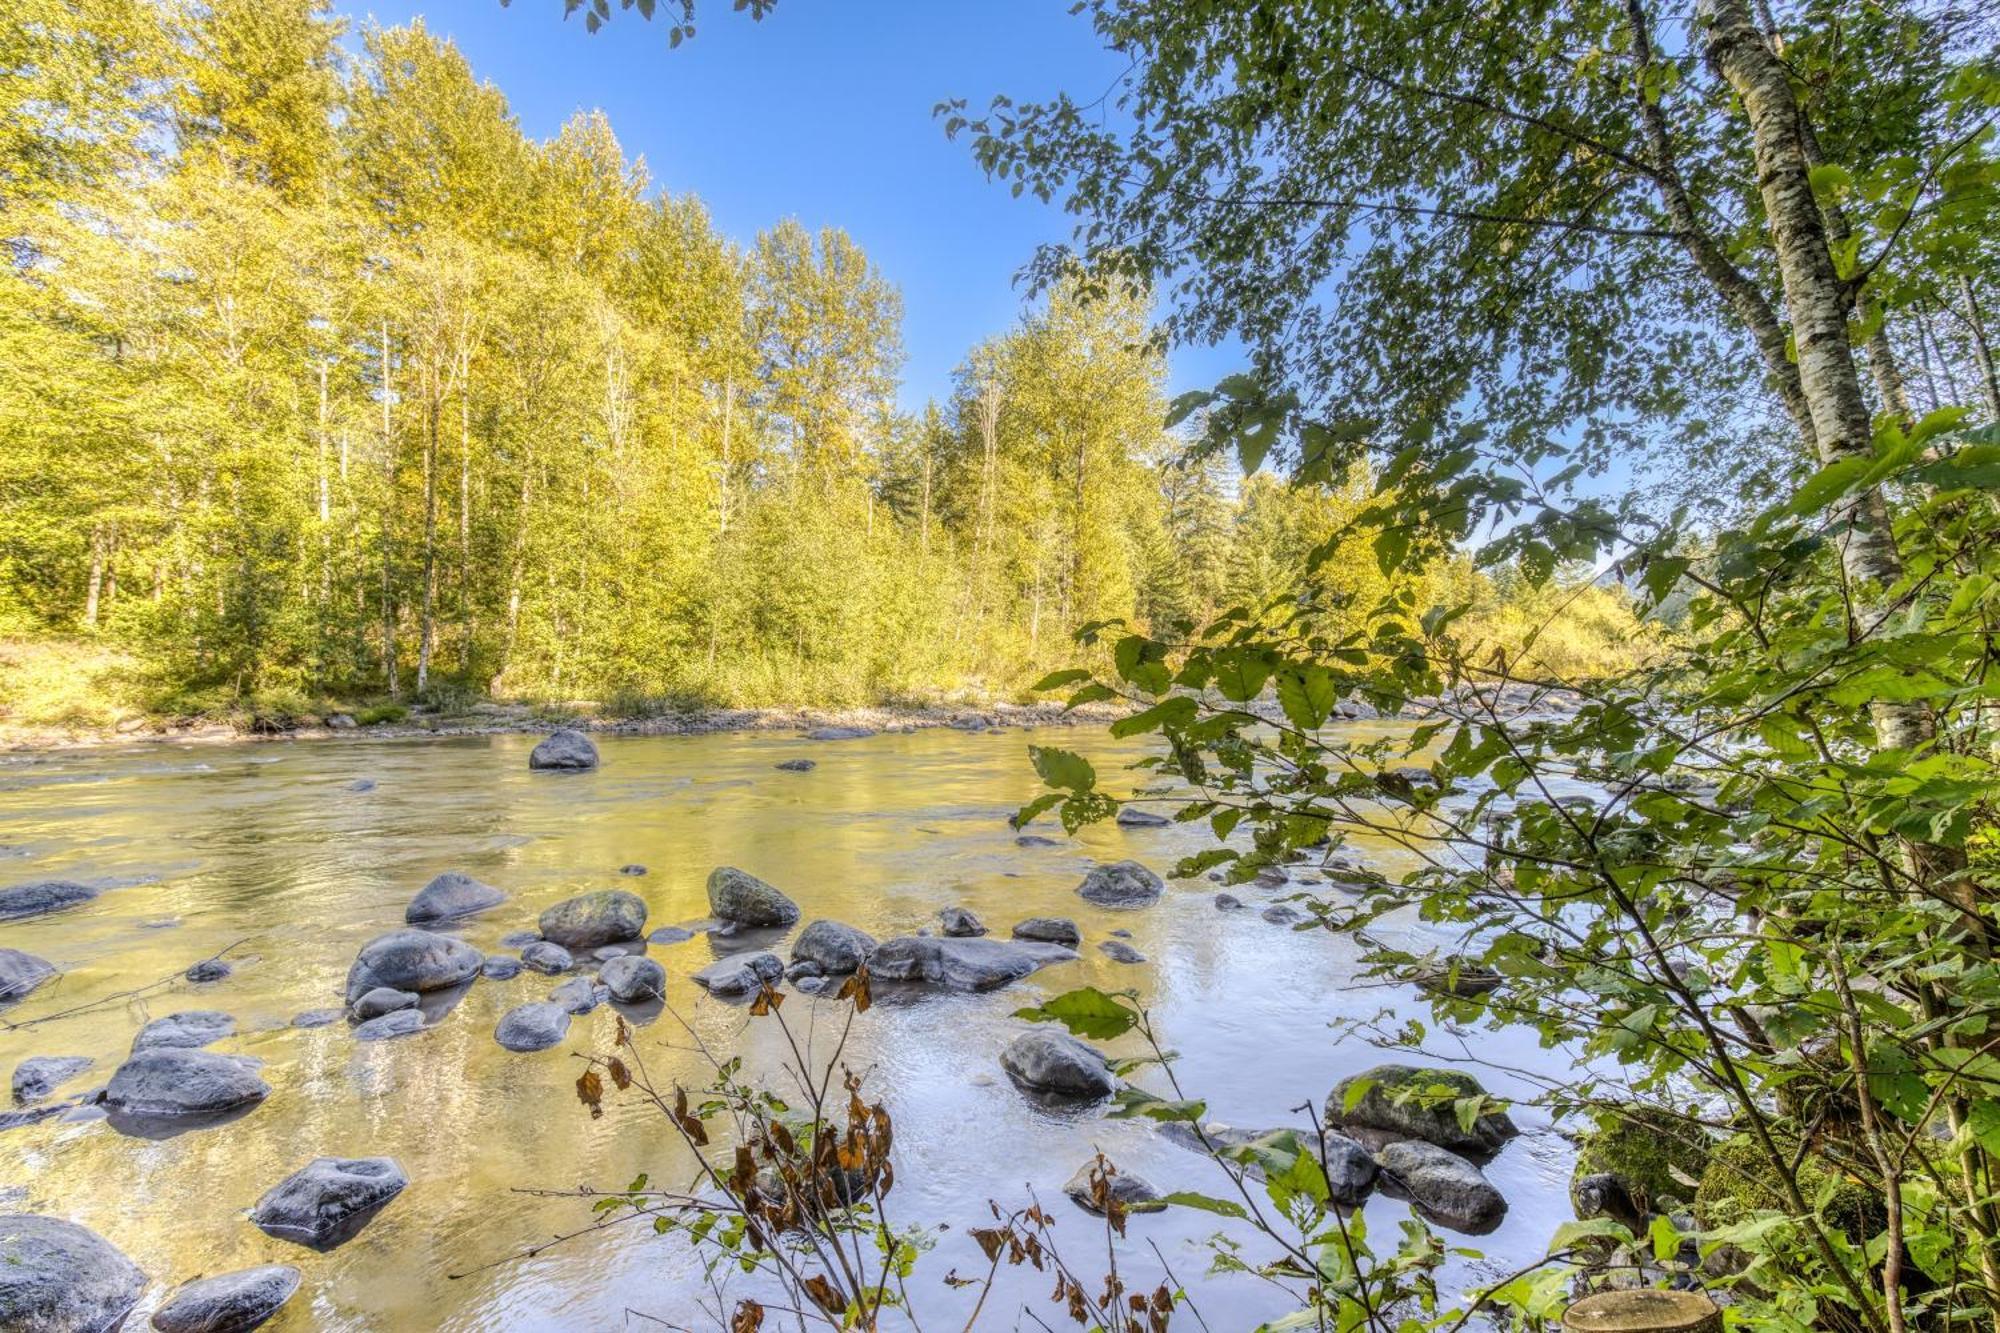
1740,1180
1658,1157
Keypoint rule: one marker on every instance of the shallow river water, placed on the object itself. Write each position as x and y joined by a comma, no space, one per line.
200,847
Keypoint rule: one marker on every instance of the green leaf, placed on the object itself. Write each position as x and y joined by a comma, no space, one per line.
1174,712
1307,695
1207,1203
1058,679
1086,1012
1061,768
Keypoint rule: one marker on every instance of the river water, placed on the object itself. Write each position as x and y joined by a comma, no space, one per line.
264,847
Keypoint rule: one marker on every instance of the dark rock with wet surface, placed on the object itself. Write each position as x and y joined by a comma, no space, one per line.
1121,884
795,765
38,1076
1118,951
547,958
58,1277
591,919
579,995
670,935
564,749
328,1200
959,923
1050,930
1058,1065
499,967
633,979
318,1018
1282,914
532,1027
633,868
1132,816
168,1082
416,960
740,974
1350,1171
1035,840
1086,1192
519,939
970,965
834,947
450,895
401,1023
383,1000
39,899
20,973
187,1030
208,969
230,1302
1445,1187
1403,1101
738,897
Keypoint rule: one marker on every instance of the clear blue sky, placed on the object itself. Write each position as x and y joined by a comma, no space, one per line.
822,112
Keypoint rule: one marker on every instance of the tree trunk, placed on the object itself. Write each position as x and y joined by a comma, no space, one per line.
1980,350
388,526
426,621
95,586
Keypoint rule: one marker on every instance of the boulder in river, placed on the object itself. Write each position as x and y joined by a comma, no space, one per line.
58,1277
959,923
50,895
1228,902
834,947
972,965
208,969
579,995
329,1200
547,958
168,1082
1350,1171
532,1027
1094,1185
229,1302
400,1023
742,899
38,1076
1121,884
740,974
1406,1102
20,973
1131,816
499,967
839,733
452,894
565,749
1058,1065
1445,1187
418,960
795,765
634,979
189,1030
591,919
1050,930
384,1000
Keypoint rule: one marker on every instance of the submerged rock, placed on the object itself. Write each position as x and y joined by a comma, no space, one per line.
962,964
1282,914
383,1000
328,1200
499,967
1118,951
1121,884
795,765
1131,816
53,895
1228,902
1035,840
670,935
1085,1191
360,785
519,939
187,1030
1408,1102
167,1082
547,958
579,995
230,1302
36,1077
532,1027
1059,1065
318,1018
1049,930
416,960
832,946
452,894
58,1277
591,919
1445,1187
839,733
634,980
740,974
565,748
742,899
959,923
401,1023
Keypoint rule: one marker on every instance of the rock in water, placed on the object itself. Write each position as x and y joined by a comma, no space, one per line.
740,974
1118,951
579,995
20,973
229,1303
1131,816
1350,1171
1444,1186
975,965
742,899
40,1075
591,919
547,958
499,967
633,869
959,923
57,1277
1087,1193
839,733
1412,1103
418,960
167,1082
329,1200
318,1018
1121,884
451,894
1050,930
1282,914
670,935
1228,902
1035,840
383,1000
188,1030
401,1023
1057,1064
566,749
54,895
834,947
633,979
532,1027
795,766
208,969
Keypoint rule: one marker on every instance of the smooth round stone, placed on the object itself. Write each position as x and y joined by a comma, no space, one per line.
230,1302
579,995
1057,1064
834,946
208,969
414,960
59,1277
532,1027
499,967
384,1000
632,979
1118,951
1131,816
1121,884
1445,1187
740,974
328,1200
547,958
740,897
186,1030
670,935
1282,914
565,749
592,919
166,1082
452,894
401,1023
1049,930
20,973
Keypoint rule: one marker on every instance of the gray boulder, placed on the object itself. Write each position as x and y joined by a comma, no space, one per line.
744,900
318,1018
167,1082
383,1000
963,964
591,919
38,1076
208,969
740,974
1282,914
1057,1065
565,749
670,935
230,1302
58,1277
53,895
1445,1187
532,1027
1410,1103
959,923
546,958
188,1030
328,1200
1118,951
835,948
839,733
1050,930
1135,1194
1350,1171
1131,816
578,995
452,894
20,973
634,980
795,766
401,1023
1121,884
418,960
499,967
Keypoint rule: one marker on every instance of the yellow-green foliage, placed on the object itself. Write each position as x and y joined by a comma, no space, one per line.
65,684
1660,1157
1568,629
1741,1180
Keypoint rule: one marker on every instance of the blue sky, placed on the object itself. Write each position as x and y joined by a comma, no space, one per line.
822,112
